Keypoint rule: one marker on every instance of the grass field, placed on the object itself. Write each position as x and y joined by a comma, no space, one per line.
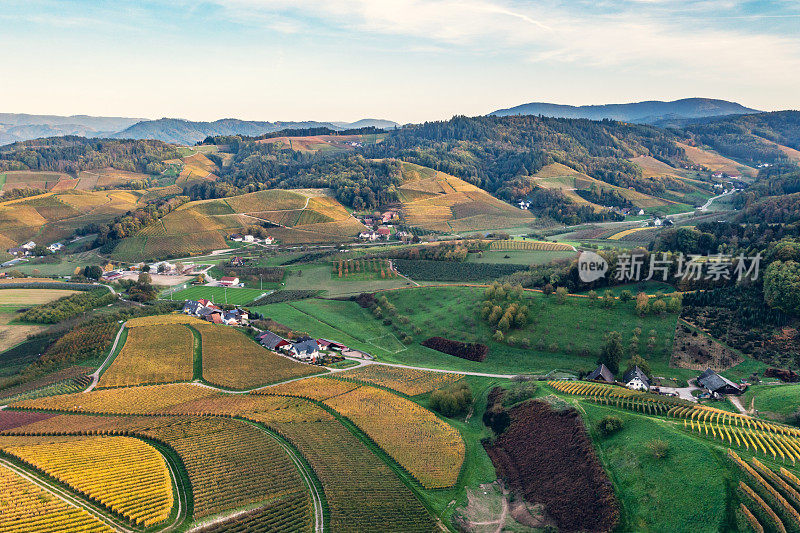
219,295
319,277
774,401
453,312
686,491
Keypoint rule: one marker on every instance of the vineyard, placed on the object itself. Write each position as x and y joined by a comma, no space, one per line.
409,381
773,496
363,268
773,440
124,475
26,507
510,246
155,354
157,320
230,359
428,448
625,233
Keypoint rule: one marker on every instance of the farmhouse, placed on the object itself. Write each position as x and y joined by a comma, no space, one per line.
56,246
601,373
18,251
305,350
636,379
234,317
229,281
368,235
272,341
716,384
384,231
325,344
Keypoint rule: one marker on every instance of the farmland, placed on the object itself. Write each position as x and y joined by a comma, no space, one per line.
252,365
219,295
92,466
556,339
154,354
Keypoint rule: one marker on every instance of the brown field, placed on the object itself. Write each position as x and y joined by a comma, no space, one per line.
105,177
28,297
558,176
317,143
11,335
437,201
29,179
715,162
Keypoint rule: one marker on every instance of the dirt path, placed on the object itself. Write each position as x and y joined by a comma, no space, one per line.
737,402
96,375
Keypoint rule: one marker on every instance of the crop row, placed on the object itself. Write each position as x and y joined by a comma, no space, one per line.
125,475
410,381
509,246
26,507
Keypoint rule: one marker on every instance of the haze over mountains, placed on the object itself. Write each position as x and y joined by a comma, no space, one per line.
16,127
649,112
19,127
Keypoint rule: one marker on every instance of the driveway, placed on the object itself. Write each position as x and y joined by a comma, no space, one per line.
682,392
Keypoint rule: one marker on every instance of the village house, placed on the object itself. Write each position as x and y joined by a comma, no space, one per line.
385,232
388,216
271,341
601,373
56,246
304,350
229,281
368,236
717,385
636,379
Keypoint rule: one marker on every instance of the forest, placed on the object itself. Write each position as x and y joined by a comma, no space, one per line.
72,154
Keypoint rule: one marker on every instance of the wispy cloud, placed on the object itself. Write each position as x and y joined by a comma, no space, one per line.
652,35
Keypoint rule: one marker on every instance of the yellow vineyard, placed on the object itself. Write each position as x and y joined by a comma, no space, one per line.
406,380
26,507
152,355
125,475
619,235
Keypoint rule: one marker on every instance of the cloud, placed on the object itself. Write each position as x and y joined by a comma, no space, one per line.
656,36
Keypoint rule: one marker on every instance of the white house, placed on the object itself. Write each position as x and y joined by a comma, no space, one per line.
56,246
636,379
229,281
368,235
249,238
30,245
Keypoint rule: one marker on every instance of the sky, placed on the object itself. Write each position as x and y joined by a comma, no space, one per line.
403,60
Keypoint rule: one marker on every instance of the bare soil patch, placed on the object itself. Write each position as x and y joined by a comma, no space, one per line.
697,351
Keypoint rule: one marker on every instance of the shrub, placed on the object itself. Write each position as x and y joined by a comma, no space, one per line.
608,425
453,401
625,296
469,351
520,394
658,448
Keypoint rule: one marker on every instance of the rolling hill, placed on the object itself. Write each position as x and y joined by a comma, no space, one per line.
436,201
180,131
290,216
649,112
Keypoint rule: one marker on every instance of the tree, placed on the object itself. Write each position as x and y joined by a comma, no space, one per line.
608,299
612,351
592,295
561,295
782,286
144,279
498,336
625,296
641,362
659,307
642,303
146,268
93,272
608,425
547,289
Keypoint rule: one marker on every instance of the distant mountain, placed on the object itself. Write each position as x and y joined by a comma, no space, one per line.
650,112
367,123
16,127
188,132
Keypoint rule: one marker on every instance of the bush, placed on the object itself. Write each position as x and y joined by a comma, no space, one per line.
520,394
469,351
658,448
453,401
608,425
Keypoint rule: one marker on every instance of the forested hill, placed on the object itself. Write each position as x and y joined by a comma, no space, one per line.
750,139
497,153
73,154
650,112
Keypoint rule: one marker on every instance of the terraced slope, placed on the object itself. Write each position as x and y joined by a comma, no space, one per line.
437,201
302,216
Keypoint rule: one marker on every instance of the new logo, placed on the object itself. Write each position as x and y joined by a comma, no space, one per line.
591,267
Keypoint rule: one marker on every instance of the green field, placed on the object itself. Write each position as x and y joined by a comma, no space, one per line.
319,277
773,401
686,491
219,295
453,312
64,267
520,257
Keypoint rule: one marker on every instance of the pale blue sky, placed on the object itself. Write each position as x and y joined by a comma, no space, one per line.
405,60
